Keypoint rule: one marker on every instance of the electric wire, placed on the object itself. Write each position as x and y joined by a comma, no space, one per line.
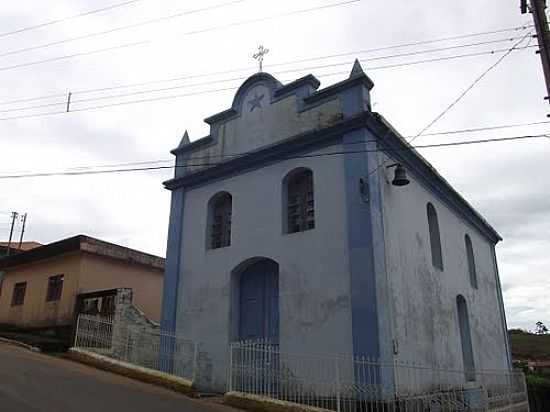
212,164
120,28
459,98
470,87
214,28
71,56
56,21
186,77
202,92
447,132
243,77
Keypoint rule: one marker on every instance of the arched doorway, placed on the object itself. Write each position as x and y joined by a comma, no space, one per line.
258,300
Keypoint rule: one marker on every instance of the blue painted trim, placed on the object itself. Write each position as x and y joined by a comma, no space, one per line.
340,87
310,140
173,262
303,88
364,311
397,148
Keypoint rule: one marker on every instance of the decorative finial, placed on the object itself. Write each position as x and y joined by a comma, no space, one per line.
357,69
262,51
185,139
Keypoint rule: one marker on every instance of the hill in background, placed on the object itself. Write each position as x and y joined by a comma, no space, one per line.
529,346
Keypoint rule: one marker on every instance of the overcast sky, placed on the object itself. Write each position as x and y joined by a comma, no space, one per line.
507,182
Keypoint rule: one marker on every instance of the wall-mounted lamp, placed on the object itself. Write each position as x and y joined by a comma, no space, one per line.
400,176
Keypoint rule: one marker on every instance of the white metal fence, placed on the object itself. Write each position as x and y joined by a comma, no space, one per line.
143,347
356,384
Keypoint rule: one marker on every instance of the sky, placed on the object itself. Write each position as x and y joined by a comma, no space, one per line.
209,50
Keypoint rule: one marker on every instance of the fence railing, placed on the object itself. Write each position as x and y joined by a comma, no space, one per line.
153,349
355,384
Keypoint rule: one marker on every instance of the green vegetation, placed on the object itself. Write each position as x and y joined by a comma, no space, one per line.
529,346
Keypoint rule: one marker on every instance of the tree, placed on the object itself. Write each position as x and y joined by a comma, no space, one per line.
541,328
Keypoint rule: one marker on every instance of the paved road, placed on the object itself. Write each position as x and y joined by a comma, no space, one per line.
31,382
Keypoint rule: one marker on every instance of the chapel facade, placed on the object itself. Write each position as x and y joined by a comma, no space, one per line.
309,222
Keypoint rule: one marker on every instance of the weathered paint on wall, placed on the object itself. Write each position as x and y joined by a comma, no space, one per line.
314,278
103,273
83,273
423,298
36,312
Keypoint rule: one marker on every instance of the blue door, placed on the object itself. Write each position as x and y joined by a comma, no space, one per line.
259,302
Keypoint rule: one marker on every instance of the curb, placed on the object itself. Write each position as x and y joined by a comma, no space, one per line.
20,344
139,373
264,404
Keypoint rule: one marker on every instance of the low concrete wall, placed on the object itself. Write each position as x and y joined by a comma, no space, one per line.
264,404
132,371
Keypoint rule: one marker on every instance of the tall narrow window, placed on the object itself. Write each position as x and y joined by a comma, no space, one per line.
435,239
299,202
465,338
18,297
220,209
471,261
55,288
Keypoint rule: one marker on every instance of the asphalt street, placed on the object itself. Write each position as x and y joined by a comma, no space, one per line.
31,382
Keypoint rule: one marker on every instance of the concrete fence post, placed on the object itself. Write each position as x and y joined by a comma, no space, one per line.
230,369
195,362
76,332
337,370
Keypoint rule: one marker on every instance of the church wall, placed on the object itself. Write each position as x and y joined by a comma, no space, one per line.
251,130
423,297
314,283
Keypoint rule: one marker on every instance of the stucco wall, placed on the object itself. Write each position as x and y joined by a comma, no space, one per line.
276,119
36,312
313,265
423,297
100,273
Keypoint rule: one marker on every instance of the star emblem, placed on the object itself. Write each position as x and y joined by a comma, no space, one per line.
255,101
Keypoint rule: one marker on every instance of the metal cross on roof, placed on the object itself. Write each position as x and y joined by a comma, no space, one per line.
262,51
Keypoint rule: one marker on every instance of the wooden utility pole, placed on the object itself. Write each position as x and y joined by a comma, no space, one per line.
538,10
14,216
24,221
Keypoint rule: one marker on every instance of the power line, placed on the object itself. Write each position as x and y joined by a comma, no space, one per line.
460,97
186,77
242,78
119,28
221,27
470,87
176,96
70,56
86,13
149,162
345,152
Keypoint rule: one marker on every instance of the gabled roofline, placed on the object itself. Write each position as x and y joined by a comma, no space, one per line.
85,244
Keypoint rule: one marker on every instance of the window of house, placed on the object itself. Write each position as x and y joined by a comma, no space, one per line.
300,204
220,211
471,261
435,238
55,288
18,297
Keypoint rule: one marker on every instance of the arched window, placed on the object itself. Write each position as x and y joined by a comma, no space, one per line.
435,239
298,201
471,261
219,220
465,338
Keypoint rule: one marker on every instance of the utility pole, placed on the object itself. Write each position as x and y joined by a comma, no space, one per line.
537,9
14,216
24,221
